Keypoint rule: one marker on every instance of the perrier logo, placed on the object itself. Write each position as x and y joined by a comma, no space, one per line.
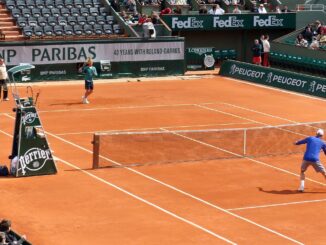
34,159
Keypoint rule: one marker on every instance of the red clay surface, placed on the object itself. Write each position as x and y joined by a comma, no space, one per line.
237,201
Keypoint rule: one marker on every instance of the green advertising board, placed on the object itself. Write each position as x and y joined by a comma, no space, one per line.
230,21
31,154
287,80
131,58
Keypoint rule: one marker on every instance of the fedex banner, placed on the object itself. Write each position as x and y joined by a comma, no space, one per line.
291,81
78,52
231,21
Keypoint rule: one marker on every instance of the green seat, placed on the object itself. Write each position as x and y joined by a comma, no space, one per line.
232,54
225,54
217,55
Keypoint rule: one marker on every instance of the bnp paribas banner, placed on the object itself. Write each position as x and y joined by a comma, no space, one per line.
275,78
230,21
61,61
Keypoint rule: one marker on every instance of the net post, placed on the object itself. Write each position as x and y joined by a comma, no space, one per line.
96,150
244,142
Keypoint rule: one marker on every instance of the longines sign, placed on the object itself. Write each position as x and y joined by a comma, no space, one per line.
231,21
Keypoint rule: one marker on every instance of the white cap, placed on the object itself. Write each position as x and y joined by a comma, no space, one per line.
320,132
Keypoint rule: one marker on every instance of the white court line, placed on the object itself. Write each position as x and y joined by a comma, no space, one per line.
178,190
148,202
250,159
277,205
122,107
147,129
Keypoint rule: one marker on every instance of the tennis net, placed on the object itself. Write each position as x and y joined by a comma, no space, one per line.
121,149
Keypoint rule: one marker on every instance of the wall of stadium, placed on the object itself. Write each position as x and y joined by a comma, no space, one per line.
271,77
129,57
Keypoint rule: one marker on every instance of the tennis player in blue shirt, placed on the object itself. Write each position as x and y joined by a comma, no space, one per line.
311,157
89,70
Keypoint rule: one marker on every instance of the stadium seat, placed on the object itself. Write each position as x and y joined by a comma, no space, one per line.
59,4
100,19
30,4
69,4
68,30
91,20
78,3
109,19
107,28
117,29
42,21
32,21
36,12
97,3
50,4
28,31
38,31
26,13
22,22
78,30
55,12
98,29
232,54
52,21
217,55
58,30
16,13
94,11
103,11
84,12
46,12
81,20
62,21
11,4
48,30
225,54
39,4
88,3
21,4
65,12
72,20
74,12
88,29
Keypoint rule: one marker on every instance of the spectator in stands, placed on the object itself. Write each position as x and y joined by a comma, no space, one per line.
177,10
216,10
300,41
142,19
236,10
155,18
149,29
317,28
307,33
256,51
278,10
262,9
3,80
131,6
5,227
203,10
286,9
314,44
266,49
166,11
322,37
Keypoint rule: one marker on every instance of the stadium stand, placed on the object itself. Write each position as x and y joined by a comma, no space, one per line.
56,19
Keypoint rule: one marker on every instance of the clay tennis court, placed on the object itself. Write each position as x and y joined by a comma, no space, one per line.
235,201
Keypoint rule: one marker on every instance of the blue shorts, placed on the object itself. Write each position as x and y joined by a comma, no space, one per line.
89,85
